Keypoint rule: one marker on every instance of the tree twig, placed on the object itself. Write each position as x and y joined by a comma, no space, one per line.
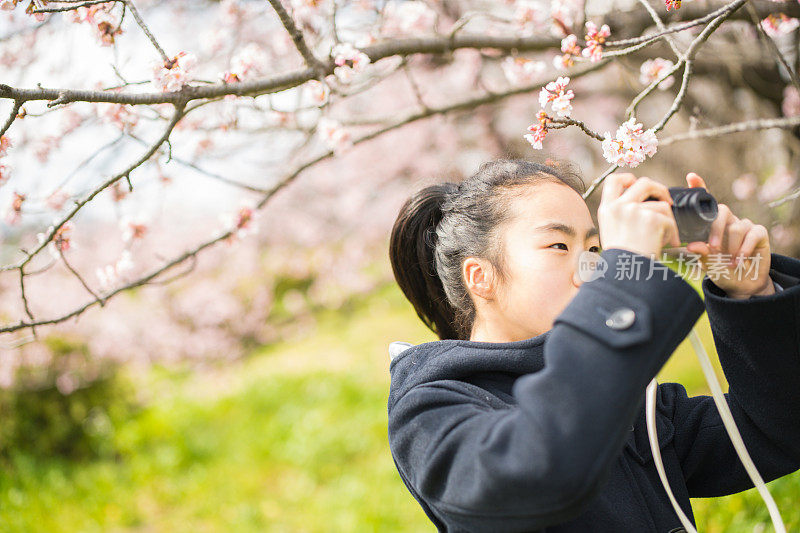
145,29
297,37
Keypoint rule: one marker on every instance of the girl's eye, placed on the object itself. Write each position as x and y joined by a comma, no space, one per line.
595,249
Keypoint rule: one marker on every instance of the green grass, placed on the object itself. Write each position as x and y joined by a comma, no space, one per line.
291,439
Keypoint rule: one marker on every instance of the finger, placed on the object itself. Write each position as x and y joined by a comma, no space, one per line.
671,231
615,184
694,180
666,210
645,188
756,237
700,248
736,234
724,218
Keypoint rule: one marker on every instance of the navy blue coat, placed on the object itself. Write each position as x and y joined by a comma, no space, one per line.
549,432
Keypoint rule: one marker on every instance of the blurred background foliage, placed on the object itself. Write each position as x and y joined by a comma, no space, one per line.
291,437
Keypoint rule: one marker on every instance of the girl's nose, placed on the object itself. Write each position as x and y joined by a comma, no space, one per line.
576,271
588,266
576,278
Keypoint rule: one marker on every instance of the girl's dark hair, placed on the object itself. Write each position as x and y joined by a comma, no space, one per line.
441,225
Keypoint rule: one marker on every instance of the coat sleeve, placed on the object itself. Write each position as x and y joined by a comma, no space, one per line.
540,462
758,343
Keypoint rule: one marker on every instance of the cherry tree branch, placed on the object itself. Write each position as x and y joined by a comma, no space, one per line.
596,183
223,179
750,125
297,37
559,123
462,105
75,273
660,25
773,47
178,114
11,117
25,303
792,196
432,44
762,8
685,61
73,6
135,12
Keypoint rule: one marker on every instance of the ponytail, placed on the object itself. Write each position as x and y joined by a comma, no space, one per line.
441,225
411,252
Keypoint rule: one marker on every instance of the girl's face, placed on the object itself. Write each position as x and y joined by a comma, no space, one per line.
541,242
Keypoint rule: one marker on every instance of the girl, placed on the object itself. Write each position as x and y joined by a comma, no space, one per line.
528,413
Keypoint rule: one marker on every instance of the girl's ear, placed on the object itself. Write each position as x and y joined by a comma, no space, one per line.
479,277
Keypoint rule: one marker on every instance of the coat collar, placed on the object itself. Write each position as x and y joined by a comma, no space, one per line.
431,361
437,360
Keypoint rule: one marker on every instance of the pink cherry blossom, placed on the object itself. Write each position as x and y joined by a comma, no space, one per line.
244,219
36,4
556,92
349,60
318,91
594,41
107,26
537,136
61,241
229,77
562,13
133,229
631,145
172,75
252,59
782,235
672,4
8,5
570,50
14,212
538,131
82,14
5,144
407,18
652,69
278,119
121,115
791,101
529,17
233,12
57,199
778,184
242,223
4,174
110,275
775,26
744,186
334,135
310,13
520,70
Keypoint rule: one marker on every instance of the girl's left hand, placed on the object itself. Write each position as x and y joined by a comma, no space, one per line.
743,243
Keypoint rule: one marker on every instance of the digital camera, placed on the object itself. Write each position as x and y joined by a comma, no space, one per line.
694,209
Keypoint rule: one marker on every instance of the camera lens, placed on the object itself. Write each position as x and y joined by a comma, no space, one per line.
706,209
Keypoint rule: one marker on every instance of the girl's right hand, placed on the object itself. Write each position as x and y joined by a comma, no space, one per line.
629,222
